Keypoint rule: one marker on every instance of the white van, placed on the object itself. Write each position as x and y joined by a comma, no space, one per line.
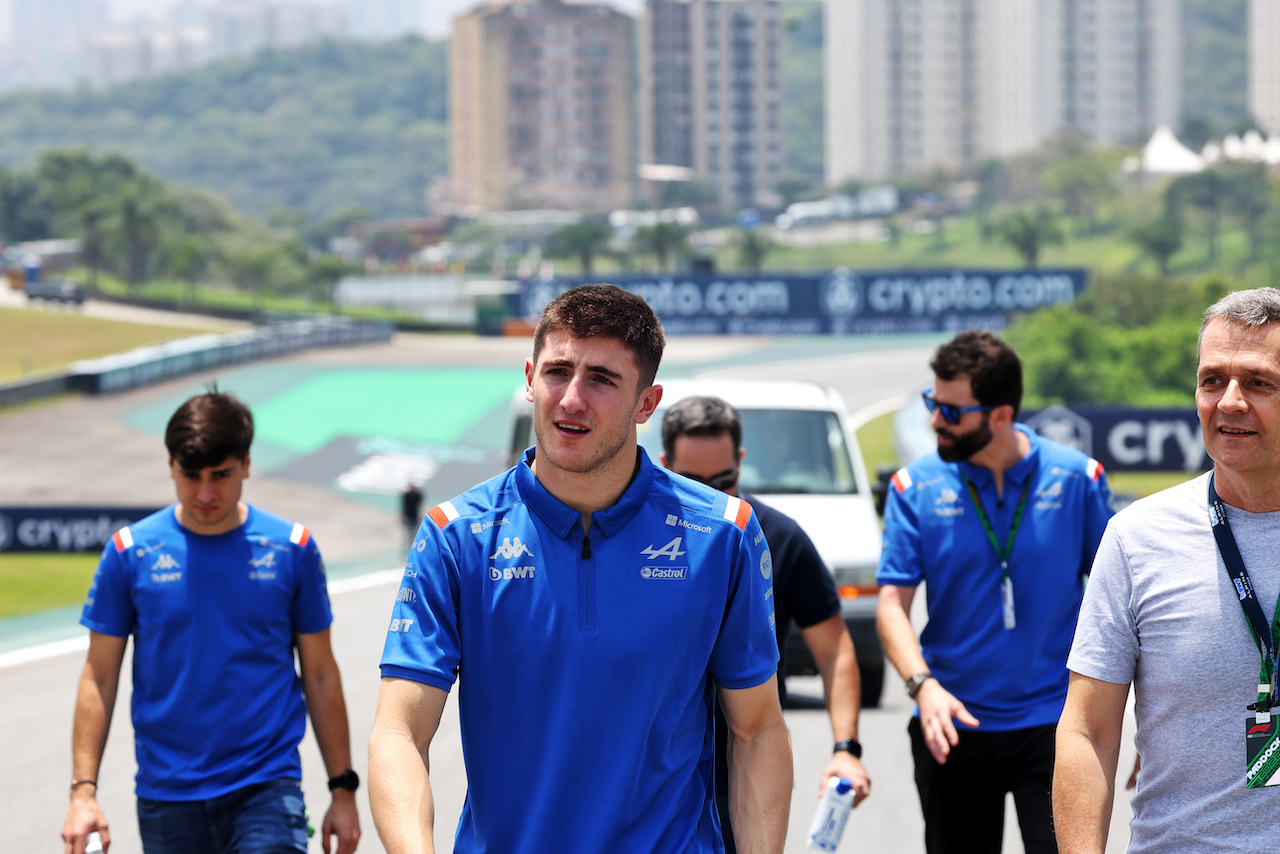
802,459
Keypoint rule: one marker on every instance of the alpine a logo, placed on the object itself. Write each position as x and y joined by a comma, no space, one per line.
510,572
511,548
664,573
670,551
267,561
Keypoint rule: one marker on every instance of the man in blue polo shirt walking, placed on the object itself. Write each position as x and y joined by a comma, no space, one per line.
1001,526
587,604
218,595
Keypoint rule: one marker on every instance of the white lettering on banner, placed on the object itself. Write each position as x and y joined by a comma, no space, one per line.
934,295
1134,442
69,534
668,298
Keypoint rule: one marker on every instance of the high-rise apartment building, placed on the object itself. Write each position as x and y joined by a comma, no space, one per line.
916,84
711,92
1264,64
541,107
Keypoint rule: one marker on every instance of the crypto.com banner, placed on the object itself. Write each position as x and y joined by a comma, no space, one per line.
64,529
841,302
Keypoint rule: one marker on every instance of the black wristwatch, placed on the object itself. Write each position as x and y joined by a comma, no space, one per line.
916,680
348,780
849,745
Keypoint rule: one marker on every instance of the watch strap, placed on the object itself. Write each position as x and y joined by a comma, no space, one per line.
849,745
348,780
916,681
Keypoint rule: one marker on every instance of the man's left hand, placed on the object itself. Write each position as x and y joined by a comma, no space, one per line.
341,821
848,766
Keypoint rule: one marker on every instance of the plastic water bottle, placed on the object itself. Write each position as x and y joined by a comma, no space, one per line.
833,813
93,845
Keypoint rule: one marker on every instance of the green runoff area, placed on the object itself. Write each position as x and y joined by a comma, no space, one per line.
34,582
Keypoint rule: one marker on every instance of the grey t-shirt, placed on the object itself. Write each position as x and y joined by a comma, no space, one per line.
1160,611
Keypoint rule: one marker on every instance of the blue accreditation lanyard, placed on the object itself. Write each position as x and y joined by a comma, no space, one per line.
1264,633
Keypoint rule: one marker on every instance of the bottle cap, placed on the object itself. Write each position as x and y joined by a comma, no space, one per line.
841,784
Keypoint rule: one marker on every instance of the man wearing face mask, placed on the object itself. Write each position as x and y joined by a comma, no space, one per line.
1001,525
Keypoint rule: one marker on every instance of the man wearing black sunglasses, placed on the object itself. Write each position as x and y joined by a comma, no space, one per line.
1002,526
702,440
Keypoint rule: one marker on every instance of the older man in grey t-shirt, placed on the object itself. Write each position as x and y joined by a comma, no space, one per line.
1162,612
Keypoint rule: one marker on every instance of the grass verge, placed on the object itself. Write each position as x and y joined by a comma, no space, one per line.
37,340
43,580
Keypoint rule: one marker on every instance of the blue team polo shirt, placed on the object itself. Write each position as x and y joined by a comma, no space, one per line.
217,704
585,669
1008,679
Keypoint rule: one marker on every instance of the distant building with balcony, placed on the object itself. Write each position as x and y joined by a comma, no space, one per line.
711,93
541,107
918,84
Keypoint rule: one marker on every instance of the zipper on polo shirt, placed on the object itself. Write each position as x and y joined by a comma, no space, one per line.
586,590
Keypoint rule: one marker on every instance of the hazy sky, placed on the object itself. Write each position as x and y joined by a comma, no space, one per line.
436,21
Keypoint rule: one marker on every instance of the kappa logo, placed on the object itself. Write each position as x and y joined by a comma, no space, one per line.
511,547
163,562
267,561
670,551
947,496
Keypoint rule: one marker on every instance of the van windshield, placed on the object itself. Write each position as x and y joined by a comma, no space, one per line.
789,451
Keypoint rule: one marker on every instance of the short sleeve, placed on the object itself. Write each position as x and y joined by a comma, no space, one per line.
108,607
901,562
312,611
423,638
746,650
1106,641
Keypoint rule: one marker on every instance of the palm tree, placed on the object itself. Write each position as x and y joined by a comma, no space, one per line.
752,247
585,240
1030,231
662,240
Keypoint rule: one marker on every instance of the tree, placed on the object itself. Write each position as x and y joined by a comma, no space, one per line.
583,240
1030,231
752,248
1160,238
1248,199
142,210
662,240
1081,183
26,212
1206,191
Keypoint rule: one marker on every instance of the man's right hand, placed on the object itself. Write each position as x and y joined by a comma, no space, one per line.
84,816
937,709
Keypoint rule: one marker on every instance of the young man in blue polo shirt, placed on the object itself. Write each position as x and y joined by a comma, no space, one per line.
1001,526
587,604
217,594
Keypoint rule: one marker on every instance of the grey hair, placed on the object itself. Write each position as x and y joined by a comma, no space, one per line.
1249,309
700,416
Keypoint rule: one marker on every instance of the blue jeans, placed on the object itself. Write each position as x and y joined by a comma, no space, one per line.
265,818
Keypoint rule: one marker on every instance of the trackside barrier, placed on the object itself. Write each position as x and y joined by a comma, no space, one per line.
146,365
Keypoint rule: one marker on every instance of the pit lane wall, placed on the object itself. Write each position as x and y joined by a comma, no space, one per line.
146,365
838,302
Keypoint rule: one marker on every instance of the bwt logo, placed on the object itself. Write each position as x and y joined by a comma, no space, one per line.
665,573
510,548
510,572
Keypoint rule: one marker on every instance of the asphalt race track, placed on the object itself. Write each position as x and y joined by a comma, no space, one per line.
338,430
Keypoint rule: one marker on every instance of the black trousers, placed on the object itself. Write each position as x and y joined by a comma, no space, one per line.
963,799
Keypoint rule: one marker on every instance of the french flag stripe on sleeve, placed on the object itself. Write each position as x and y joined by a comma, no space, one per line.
443,514
123,539
300,536
901,480
1094,468
737,511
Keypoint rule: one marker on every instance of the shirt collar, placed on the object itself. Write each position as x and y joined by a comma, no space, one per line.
562,519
